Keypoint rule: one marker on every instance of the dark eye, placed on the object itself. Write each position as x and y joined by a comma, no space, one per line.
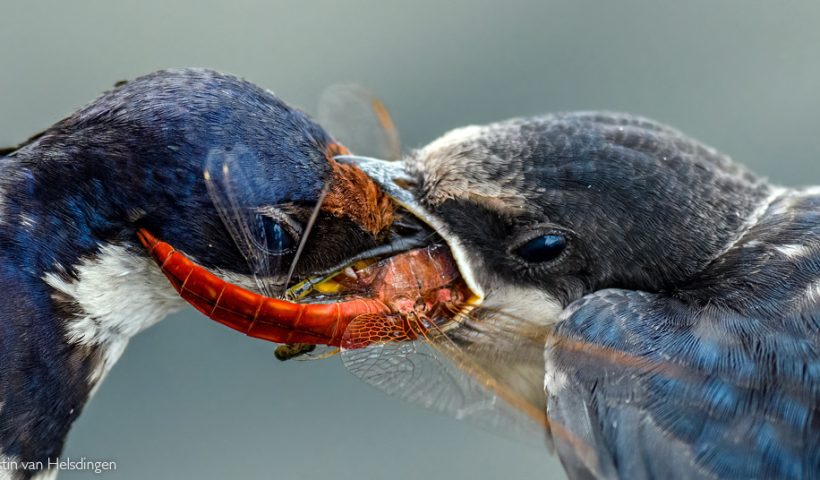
542,249
278,240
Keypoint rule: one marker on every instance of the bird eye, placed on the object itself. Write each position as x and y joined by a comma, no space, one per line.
542,249
278,240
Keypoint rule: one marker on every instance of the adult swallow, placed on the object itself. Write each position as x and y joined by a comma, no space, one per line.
79,202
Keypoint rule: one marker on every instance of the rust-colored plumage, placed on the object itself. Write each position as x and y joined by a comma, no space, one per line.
353,195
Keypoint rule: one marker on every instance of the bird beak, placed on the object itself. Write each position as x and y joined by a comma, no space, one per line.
393,179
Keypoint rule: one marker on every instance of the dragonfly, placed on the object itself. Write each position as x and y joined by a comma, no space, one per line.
411,323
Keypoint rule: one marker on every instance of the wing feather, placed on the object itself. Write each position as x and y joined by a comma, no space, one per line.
655,388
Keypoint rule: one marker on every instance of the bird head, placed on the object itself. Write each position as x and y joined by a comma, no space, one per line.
192,156
571,203
539,212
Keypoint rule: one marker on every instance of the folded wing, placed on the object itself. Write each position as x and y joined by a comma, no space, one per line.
643,385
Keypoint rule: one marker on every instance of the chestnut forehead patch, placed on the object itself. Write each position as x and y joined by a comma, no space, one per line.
355,196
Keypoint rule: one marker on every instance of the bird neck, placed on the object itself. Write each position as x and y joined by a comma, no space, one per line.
77,289
769,268
690,219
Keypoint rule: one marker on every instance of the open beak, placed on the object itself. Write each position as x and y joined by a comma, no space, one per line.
392,178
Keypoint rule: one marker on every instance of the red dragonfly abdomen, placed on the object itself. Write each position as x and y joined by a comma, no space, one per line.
254,314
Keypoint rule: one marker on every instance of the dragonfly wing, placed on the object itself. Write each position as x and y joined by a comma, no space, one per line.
434,372
360,121
232,191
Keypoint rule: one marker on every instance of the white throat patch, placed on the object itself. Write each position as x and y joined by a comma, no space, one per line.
528,303
120,293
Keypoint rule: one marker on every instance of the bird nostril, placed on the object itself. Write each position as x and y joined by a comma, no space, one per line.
407,228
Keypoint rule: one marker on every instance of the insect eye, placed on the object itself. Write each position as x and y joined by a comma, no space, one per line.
278,239
542,249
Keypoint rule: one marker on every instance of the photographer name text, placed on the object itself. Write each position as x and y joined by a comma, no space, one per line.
68,463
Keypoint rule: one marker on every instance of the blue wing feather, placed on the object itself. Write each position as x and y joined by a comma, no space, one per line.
720,379
657,388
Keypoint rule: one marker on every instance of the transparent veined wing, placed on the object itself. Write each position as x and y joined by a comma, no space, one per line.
435,372
359,120
435,352
238,192
235,185
235,192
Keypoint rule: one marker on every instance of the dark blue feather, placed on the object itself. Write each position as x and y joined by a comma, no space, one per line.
133,157
721,379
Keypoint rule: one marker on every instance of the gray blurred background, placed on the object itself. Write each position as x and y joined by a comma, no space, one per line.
192,399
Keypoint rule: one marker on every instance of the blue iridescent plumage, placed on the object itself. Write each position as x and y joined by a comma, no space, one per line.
133,158
724,373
